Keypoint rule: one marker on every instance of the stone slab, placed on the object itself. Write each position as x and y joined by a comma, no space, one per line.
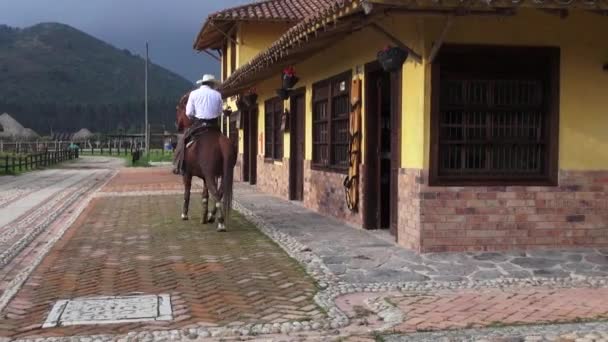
110,310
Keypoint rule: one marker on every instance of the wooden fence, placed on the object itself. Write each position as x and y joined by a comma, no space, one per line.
120,143
10,164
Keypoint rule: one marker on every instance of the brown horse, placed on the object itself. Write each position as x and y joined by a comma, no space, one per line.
210,157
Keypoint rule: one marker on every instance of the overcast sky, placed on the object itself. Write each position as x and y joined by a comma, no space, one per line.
170,26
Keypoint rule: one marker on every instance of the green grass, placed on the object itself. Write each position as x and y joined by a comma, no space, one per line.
156,155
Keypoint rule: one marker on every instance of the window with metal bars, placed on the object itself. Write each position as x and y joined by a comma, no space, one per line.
331,109
273,136
494,118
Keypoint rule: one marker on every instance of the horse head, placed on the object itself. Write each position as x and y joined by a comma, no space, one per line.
181,119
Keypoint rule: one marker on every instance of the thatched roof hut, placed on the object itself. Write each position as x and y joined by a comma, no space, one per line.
82,135
12,129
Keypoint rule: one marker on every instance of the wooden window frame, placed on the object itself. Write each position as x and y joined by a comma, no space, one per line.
273,136
330,165
549,176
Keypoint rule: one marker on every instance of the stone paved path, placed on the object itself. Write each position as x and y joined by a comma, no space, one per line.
359,256
129,240
482,308
32,202
136,243
138,180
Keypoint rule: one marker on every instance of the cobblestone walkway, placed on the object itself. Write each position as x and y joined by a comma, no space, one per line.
555,286
135,244
359,256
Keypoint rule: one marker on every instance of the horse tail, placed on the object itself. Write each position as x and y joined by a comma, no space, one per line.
228,180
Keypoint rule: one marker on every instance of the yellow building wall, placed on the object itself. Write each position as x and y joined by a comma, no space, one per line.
252,38
583,104
412,115
347,54
583,141
255,37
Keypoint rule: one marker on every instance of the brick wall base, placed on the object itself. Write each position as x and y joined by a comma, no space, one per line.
273,178
575,213
409,229
443,219
324,193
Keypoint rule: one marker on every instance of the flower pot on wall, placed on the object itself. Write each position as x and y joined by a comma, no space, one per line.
289,78
392,58
289,81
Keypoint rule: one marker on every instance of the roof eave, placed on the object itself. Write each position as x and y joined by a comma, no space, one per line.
209,26
246,74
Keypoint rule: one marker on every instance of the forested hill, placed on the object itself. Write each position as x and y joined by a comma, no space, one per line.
55,77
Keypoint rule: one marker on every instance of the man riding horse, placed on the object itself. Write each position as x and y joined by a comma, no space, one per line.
205,152
203,108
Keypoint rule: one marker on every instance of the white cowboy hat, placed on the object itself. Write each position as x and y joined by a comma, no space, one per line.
207,79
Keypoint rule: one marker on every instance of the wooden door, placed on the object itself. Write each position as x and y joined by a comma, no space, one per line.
371,189
383,100
246,144
253,146
396,81
296,173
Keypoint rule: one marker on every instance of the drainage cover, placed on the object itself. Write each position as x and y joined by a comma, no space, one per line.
110,310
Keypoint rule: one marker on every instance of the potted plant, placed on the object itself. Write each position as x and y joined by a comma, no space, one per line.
250,98
283,93
391,58
289,78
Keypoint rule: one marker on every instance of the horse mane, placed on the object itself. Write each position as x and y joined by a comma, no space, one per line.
182,120
183,101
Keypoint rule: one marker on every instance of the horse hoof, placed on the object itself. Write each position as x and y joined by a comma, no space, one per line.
221,227
210,219
184,217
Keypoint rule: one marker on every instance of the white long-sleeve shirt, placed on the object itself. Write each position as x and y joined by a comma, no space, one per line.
204,103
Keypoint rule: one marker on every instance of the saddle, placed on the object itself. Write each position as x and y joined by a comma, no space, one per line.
191,135
201,127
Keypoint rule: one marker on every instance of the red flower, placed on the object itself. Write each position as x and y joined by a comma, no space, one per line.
289,71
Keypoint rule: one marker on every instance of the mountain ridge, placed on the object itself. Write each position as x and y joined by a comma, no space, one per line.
53,72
